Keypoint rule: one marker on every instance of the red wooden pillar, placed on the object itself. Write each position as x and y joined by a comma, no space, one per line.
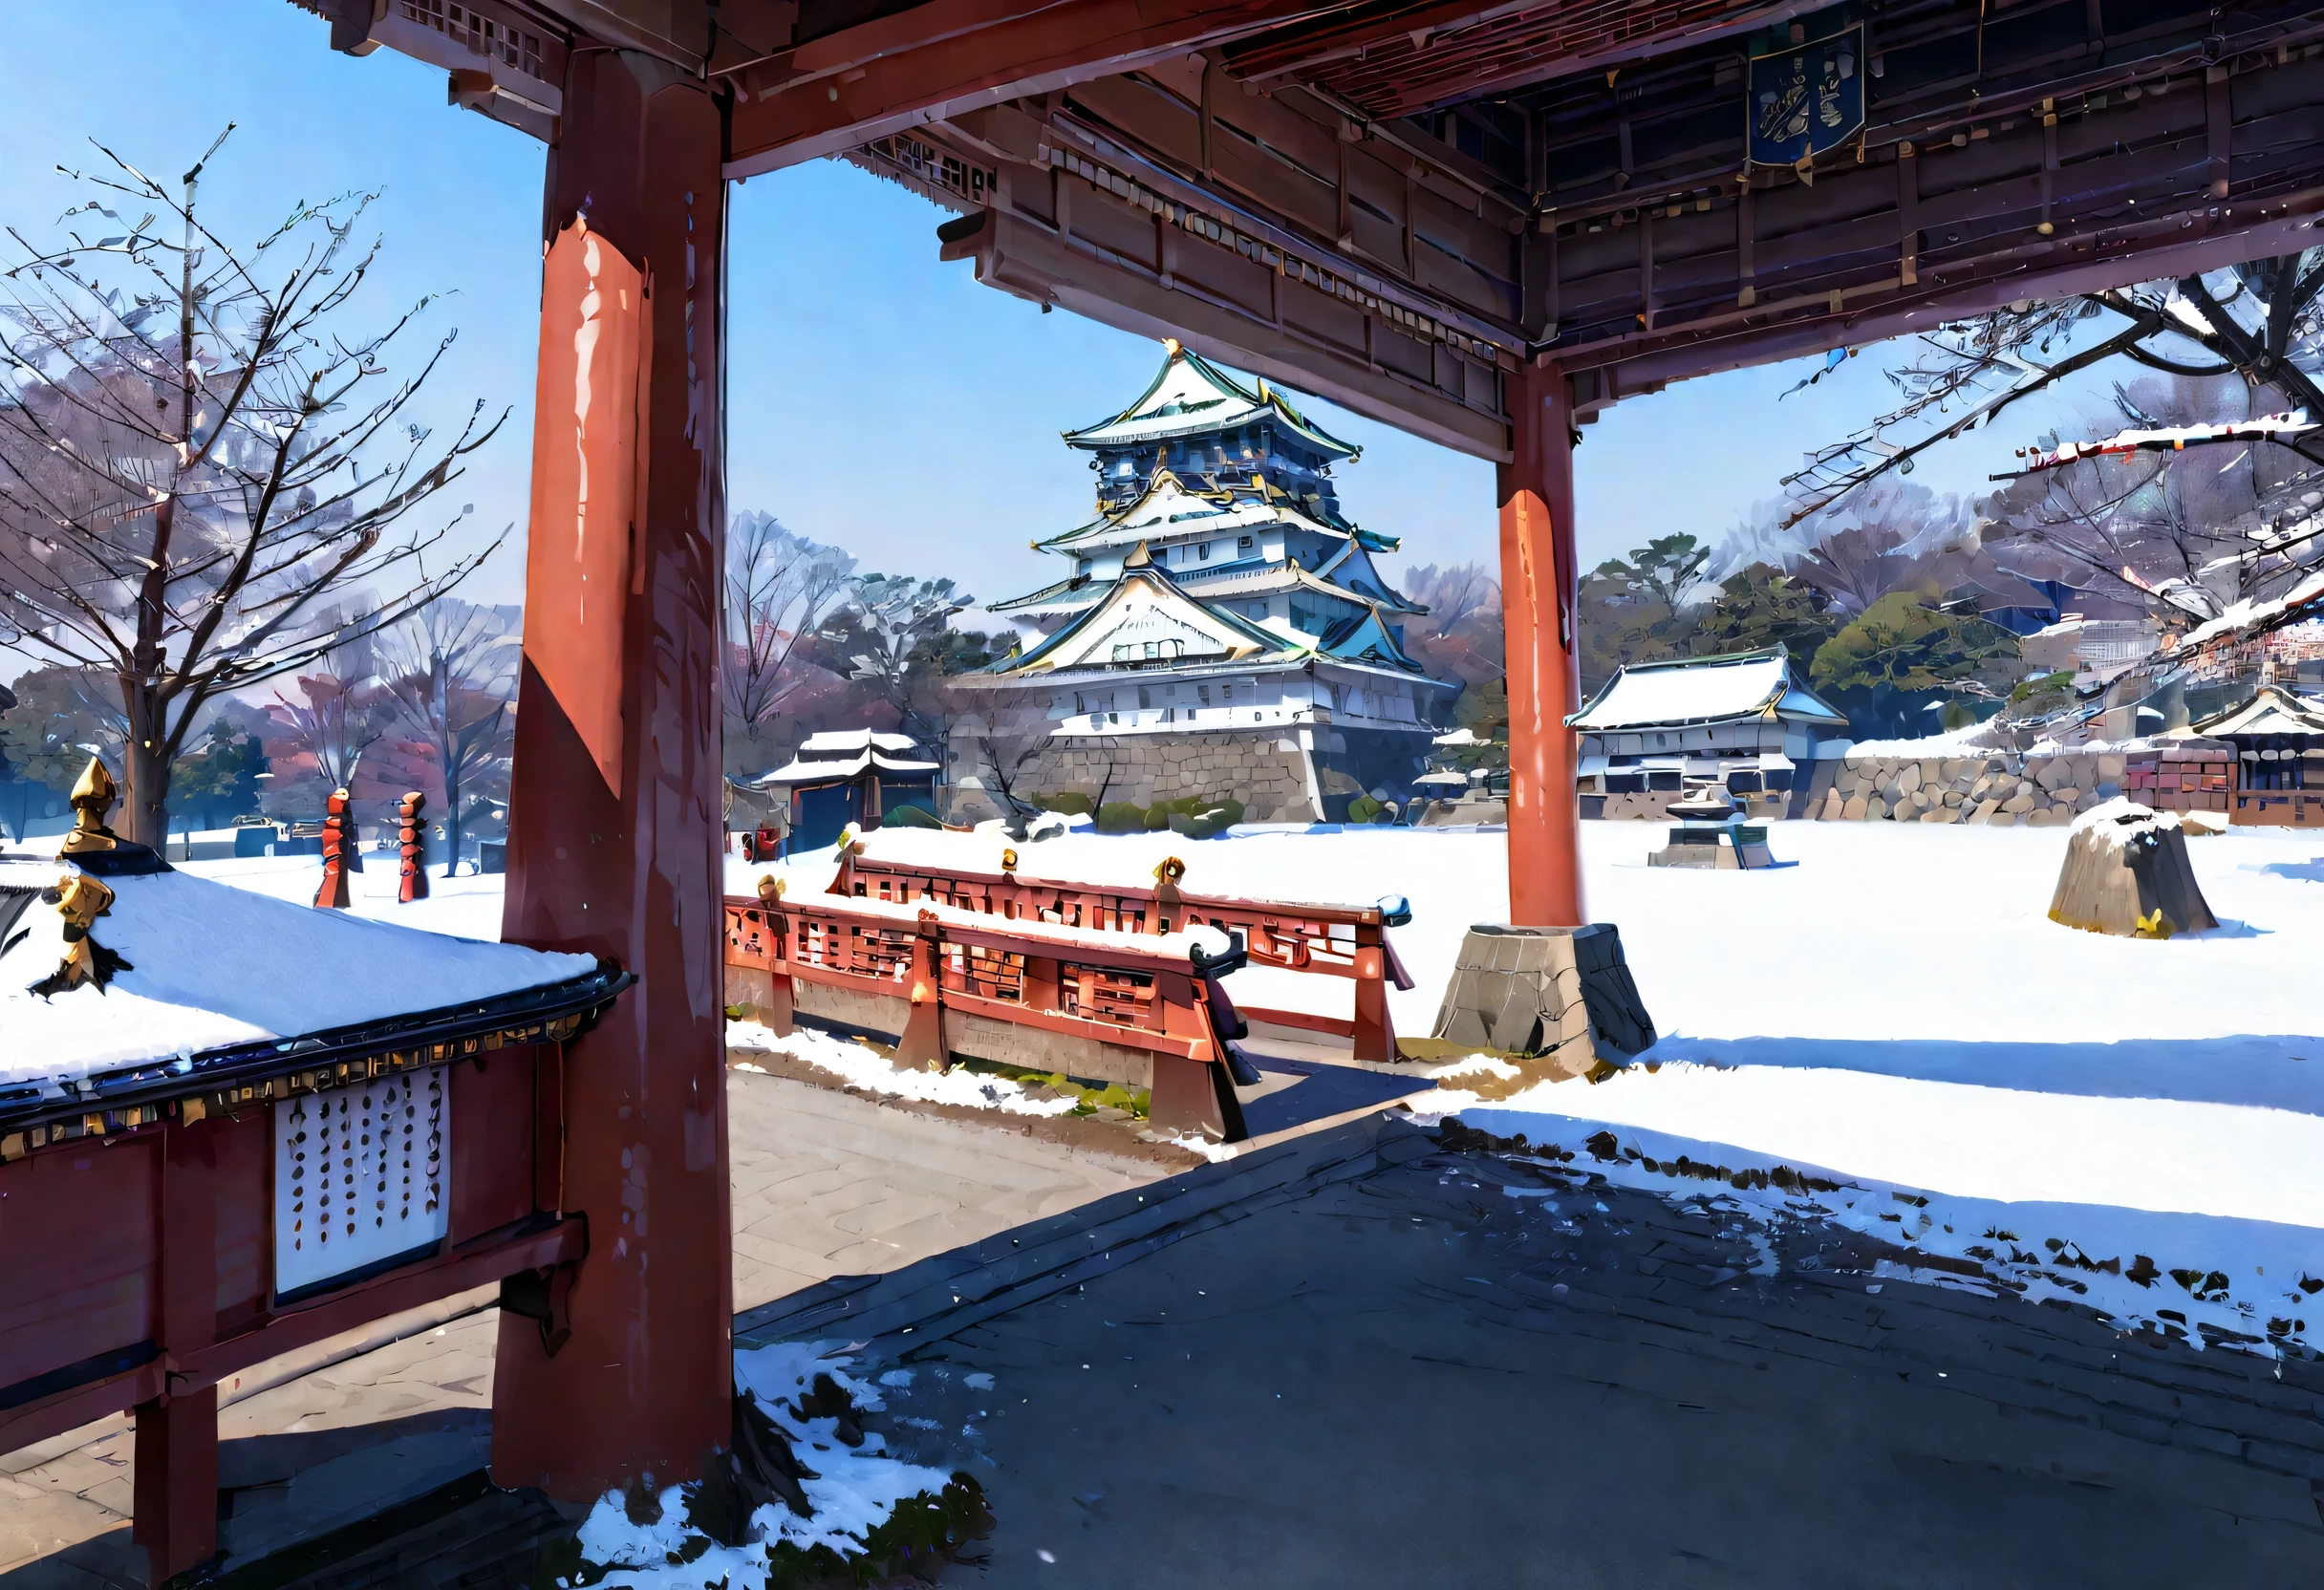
614,847
174,1495
1537,575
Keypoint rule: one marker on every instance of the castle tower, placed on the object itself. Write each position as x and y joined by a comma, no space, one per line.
1219,629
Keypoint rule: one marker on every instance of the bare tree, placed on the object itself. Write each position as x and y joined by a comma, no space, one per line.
890,635
2261,322
322,736
450,672
781,589
2178,533
195,455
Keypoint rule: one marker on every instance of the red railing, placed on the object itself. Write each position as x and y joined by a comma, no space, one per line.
1349,942
1055,989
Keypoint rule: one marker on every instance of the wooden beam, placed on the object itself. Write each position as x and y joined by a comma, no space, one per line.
1036,264
930,61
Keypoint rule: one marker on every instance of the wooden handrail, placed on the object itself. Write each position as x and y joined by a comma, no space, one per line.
933,969
1330,940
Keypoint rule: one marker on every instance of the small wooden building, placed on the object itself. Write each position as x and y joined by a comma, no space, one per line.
2278,738
1741,722
231,1126
850,777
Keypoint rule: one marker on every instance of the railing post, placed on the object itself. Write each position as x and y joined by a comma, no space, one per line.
1375,1034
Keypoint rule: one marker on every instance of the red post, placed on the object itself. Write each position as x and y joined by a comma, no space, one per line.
175,1491
615,844
1537,575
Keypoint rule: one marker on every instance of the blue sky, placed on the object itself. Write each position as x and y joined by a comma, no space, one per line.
879,398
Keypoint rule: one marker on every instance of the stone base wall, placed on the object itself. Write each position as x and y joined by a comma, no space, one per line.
1996,788
1268,774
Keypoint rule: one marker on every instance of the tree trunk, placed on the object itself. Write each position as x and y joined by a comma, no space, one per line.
451,816
145,819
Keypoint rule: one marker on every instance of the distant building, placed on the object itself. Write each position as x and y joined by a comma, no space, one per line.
2078,645
849,777
1740,722
1220,630
2278,738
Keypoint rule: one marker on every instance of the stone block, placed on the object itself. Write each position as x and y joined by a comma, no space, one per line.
1908,778
2066,794
1941,814
2020,802
1565,992
1983,812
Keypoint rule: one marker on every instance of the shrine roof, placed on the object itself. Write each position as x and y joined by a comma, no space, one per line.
217,978
1192,396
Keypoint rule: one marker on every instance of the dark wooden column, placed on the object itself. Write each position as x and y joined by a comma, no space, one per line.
1536,493
174,1495
642,1385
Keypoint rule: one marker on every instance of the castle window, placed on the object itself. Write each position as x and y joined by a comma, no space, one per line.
1205,552
1146,695
1202,694
1243,544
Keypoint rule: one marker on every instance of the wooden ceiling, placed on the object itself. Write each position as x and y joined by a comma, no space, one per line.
1394,203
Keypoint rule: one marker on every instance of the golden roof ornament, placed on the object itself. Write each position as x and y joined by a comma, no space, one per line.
93,798
80,900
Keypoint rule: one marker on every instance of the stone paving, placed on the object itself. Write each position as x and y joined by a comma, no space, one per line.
1360,1357
825,1183
1413,1377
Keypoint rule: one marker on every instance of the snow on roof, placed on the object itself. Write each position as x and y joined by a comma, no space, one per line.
1170,509
801,769
1701,690
209,965
2270,710
858,739
1193,395
2250,617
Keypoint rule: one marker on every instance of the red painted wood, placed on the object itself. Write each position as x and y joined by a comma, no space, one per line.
242,1150
175,1491
77,1236
643,1385
1536,495
492,1142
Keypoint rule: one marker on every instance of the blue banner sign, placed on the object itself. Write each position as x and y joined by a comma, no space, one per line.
1806,98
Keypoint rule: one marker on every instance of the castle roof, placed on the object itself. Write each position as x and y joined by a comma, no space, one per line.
1192,396
1702,690
1146,607
1169,507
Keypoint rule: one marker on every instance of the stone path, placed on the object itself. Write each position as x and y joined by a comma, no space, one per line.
1413,1377
825,1183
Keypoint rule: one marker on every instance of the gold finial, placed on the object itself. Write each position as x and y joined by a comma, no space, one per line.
771,889
1008,860
1172,346
80,900
93,797
1170,871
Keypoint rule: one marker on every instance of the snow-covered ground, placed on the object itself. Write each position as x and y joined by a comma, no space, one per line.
1892,1009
